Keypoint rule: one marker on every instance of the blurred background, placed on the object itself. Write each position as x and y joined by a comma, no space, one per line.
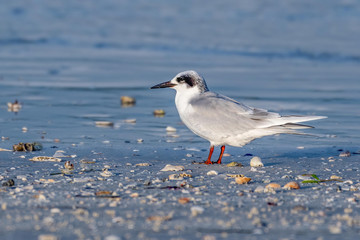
68,62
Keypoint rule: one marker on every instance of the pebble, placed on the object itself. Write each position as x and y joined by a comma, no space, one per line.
273,185
140,140
170,129
345,154
131,120
45,159
24,129
256,162
184,200
196,210
112,237
242,180
212,173
170,167
106,173
291,185
334,229
159,113
127,101
104,124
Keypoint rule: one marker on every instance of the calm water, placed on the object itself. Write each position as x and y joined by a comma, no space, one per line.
68,63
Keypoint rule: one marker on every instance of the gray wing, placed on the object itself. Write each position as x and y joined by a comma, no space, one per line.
215,114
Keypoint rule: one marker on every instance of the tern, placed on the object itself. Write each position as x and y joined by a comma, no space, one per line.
222,120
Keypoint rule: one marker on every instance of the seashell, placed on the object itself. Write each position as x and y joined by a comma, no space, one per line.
212,173
345,154
273,185
184,200
196,210
170,129
242,180
256,162
45,159
185,175
132,120
106,173
335,177
234,164
170,167
292,185
140,140
142,164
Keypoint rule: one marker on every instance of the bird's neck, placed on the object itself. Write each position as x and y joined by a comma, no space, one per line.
183,98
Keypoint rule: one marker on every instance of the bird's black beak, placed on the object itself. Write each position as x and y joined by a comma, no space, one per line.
164,85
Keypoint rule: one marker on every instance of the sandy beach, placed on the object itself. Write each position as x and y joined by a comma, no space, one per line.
98,169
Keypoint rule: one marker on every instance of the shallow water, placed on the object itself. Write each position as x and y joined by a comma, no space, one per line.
69,62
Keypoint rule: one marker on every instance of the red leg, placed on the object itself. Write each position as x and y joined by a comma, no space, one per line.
221,154
208,161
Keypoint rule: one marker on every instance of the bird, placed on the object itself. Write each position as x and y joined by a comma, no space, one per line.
222,120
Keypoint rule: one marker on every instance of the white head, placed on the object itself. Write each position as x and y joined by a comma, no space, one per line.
185,81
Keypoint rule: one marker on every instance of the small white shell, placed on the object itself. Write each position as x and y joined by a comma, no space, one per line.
256,162
212,173
170,167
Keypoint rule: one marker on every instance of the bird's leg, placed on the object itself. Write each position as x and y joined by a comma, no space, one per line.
208,161
221,154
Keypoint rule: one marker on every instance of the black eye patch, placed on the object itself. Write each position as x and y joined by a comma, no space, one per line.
186,79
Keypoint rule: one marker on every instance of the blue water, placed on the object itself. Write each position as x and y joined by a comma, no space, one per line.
68,63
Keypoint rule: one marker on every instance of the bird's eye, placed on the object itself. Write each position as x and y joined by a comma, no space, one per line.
180,79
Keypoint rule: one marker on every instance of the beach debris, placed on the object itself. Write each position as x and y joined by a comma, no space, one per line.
259,189
127,101
184,200
106,173
61,154
142,164
131,120
175,177
196,210
68,165
335,177
159,113
292,185
212,173
104,124
27,147
273,186
345,154
14,107
47,237
256,162
234,164
234,175
5,150
170,129
8,183
242,180
45,159
159,218
169,167
103,193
